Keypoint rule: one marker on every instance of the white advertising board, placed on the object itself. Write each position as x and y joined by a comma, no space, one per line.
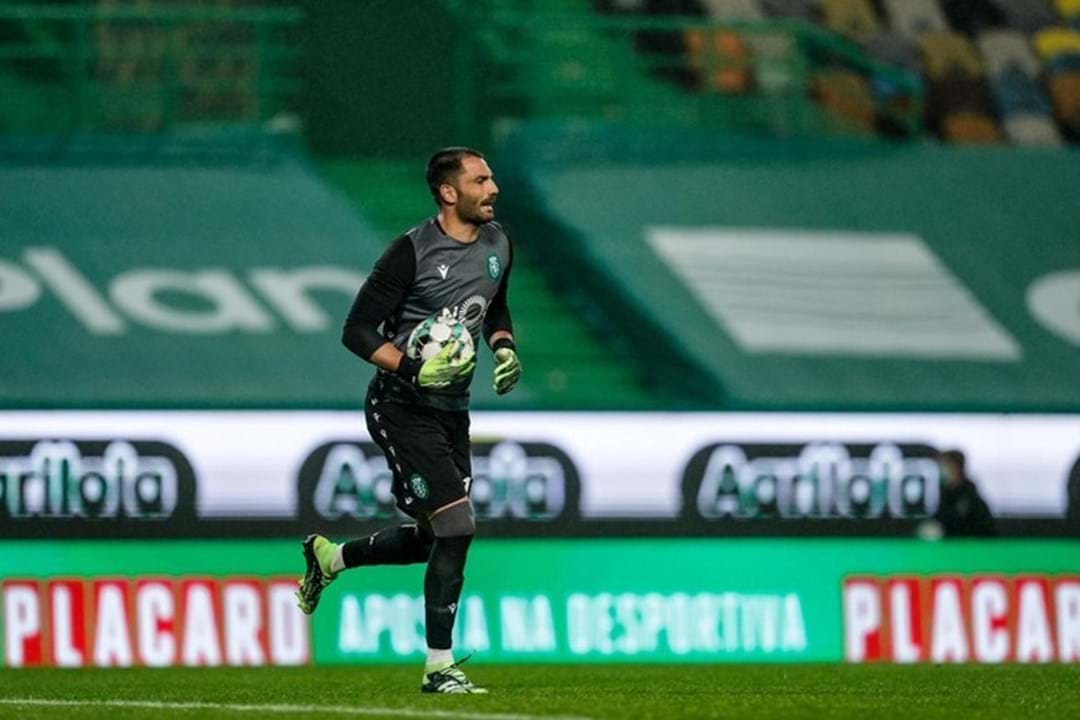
628,465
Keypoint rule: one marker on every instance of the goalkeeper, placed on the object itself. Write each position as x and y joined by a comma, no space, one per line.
456,263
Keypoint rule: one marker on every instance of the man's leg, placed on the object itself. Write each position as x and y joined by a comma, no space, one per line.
401,433
401,545
454,527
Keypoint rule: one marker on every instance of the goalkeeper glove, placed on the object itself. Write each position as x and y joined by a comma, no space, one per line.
507,367
438,371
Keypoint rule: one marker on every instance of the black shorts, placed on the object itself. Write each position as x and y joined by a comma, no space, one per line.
427,450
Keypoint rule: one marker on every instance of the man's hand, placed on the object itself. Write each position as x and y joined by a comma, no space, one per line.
446,367
507,370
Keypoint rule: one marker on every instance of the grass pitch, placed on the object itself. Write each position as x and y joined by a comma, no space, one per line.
551,691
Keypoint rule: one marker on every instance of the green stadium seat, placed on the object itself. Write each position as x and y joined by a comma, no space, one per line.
773,56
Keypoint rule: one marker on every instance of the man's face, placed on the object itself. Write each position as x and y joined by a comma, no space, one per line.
476,192
950,473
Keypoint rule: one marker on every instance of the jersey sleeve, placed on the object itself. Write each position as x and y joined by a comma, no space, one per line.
379,297
498,315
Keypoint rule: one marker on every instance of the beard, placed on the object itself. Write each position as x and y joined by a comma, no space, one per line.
476,213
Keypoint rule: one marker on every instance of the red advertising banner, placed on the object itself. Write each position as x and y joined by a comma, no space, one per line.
153,621
982,618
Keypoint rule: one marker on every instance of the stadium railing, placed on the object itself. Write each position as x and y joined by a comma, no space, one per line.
67,71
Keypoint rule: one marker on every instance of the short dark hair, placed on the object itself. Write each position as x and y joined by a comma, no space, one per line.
445,164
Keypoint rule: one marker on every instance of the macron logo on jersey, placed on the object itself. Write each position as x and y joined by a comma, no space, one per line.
443,269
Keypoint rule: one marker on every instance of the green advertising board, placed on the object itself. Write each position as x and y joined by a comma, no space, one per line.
176,286
551,600
762,274
181,286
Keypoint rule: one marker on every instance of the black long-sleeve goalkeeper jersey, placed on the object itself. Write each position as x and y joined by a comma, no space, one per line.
426,272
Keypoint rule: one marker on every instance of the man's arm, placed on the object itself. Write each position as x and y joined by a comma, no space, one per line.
379,296
499,331
376,302
498,324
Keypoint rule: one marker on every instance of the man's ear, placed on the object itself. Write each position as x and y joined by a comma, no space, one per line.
448,193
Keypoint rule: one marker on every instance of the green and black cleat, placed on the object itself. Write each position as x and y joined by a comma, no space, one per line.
450,680
318,552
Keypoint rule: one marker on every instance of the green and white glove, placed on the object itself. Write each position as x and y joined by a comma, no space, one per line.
507,367
450,364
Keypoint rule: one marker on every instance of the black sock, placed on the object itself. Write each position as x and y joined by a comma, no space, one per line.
442,588
401,545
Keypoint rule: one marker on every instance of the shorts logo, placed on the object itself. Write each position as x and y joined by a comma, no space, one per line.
494,267
419,486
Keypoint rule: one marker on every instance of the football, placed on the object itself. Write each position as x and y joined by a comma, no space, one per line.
434,333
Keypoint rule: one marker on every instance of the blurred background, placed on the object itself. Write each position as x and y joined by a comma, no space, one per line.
796,290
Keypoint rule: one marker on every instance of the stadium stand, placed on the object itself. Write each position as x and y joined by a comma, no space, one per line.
139,68
959,105
168,98
1059,49
923,302
718,67
939,39
1021,101
730,66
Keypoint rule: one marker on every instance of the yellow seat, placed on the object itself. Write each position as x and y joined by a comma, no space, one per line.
1068,9
855,19
944,53
1056,41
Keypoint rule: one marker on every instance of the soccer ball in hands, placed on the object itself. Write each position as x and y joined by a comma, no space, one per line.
435,333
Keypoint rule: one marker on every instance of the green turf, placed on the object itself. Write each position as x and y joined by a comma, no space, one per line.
590,691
